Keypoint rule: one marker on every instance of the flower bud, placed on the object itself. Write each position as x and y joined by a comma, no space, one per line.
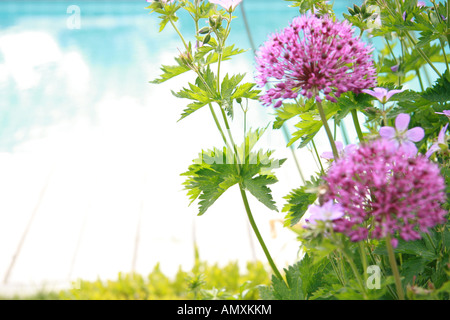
204,30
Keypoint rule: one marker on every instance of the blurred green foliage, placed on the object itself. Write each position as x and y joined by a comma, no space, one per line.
203,282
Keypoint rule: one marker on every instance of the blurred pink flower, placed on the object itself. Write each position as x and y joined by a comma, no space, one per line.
340,148
380,186
441,141
327,212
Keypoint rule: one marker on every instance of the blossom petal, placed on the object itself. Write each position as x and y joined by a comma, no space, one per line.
391,93
387,132
435,147
415,134
327,155
402,121
378,93
441,136
409,148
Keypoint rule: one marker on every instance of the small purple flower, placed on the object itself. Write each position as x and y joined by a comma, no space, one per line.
421,4
445,113
329,211
340,148
394,68
401,136
382,94
441,141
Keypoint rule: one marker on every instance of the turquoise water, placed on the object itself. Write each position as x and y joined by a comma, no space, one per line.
43,63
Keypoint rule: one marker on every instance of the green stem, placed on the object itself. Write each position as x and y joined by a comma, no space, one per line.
445,56
362,250
424,56
327,129
337,271
227,126
179,33
257,233
317,156
394,267
216,121
357,126
356,273
422,88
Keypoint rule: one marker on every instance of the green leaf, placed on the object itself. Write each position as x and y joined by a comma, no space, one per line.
210,177
215,171
289,110
298,201
416,248
311,123
171,71
191,108
440,92
258,188
293,289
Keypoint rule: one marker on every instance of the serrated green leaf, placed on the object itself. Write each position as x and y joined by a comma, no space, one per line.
258,188
171,71
310,124
440,91
298,201
293,289
215,171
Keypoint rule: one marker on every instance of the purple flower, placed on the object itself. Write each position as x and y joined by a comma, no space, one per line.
382,94
340,148
228,5
313,56
444,112
394,68
383,191
421,4
441,142
329,211
401,136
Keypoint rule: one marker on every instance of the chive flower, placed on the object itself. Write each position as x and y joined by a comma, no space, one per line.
383,190
314,56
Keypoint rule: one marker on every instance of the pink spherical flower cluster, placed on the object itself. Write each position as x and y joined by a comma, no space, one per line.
383,190
314,55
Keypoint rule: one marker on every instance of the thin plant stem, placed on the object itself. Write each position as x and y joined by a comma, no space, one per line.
356,273
394,267
216,121
337,271
424,56
357,125
317,156
257,233
420,79
179,34
327,129
445,55
362,249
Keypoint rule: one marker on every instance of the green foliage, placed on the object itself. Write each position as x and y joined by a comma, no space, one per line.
310,122
216,170
202,282
298,201
440,91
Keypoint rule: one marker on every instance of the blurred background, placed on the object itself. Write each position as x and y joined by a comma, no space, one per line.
91,153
